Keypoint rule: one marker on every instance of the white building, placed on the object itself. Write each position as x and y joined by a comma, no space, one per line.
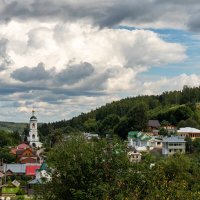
189,132
155,142
33,137
134,155
172,145
90,136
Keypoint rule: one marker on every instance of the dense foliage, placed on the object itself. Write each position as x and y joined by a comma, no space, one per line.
178,108
8,139
101,170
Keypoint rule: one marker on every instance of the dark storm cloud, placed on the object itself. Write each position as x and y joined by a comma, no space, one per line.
26,74
102,13
74,73
70,75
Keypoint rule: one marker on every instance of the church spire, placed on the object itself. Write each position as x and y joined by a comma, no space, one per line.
33,111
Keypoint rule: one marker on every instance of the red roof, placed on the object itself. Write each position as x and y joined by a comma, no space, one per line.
23,146
31,170
13,151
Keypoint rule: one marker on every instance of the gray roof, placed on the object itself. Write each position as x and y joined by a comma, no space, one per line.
15,168
174,139
154,123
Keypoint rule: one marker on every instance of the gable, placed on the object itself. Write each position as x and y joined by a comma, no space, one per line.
26,153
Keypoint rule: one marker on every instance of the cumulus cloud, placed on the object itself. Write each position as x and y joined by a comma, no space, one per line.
74,73
26,74
167,84
86,59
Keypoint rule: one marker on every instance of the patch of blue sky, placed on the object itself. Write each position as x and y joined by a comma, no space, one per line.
188,39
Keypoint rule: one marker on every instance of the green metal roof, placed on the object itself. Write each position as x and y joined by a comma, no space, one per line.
43,166
134,134
138,135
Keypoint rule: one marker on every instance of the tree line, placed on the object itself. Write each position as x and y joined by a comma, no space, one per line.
179,108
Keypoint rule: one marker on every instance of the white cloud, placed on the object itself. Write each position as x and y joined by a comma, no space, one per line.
115,56
167,84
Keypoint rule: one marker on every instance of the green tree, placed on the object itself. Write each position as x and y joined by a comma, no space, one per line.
90,125
107,125
138,117
25,133
164,132
6,156
189,147
196,144
85,170
122,128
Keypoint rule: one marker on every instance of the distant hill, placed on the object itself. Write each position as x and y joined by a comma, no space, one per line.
12,126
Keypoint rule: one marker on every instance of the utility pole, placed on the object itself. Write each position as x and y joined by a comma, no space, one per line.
5,172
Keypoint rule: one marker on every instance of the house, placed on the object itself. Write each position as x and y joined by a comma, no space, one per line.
31,170
172,145
42,174
21,146
134,155
14,169
170,128
27,156
153,126
155,142
189,132
90,136
138,140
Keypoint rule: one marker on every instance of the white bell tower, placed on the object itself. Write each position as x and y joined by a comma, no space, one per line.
33,137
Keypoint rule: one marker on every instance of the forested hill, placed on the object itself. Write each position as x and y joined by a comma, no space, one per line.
132,113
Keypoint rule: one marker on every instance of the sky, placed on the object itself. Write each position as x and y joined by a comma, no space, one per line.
70,56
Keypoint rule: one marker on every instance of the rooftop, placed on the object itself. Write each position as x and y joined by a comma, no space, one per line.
138,135
31,170
154,123
188,130
174,139
15,168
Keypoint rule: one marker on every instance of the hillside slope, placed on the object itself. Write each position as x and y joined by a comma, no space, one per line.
132,113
